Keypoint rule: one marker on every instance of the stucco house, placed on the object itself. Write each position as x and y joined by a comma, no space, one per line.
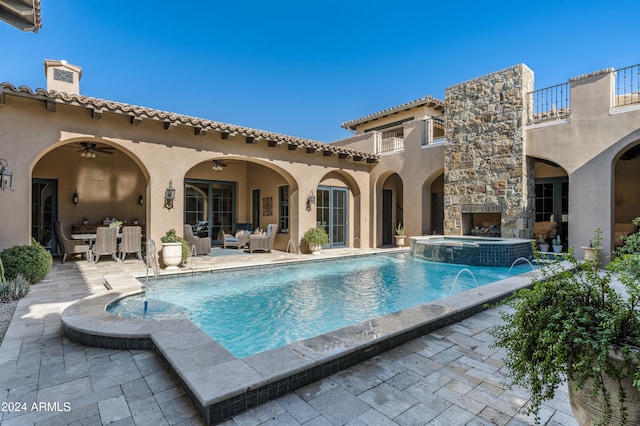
494,153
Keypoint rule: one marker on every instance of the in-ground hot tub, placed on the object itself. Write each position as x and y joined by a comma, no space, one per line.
468,250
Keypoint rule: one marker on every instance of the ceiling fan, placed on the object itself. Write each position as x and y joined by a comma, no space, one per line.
89,149
218,165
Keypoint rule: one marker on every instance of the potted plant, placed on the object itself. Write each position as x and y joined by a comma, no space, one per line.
400,235
557,244
175,250
589,251
315,237
116,224
543,246
573,326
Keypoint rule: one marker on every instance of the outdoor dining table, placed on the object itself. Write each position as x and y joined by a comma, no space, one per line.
91,238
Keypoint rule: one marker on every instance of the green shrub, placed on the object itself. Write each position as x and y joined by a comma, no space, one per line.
15,288
33,262
316,236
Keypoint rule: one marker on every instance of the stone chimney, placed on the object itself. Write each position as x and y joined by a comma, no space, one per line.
62,77
488,178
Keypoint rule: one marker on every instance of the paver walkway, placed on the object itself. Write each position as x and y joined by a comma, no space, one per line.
451,377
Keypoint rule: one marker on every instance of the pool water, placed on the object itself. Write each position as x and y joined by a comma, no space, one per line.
257,309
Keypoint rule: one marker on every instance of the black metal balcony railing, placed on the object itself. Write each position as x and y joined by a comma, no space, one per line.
551,103
627,86
438,129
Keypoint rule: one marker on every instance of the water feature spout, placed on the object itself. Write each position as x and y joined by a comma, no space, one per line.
519,259
292,243
359,242
193,257
458,275
151,262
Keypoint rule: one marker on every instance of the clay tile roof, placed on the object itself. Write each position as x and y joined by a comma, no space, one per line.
427,100
165,116
22,14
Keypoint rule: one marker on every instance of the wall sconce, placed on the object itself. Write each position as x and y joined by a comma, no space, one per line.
311,200
169,195
74,198
140,200
6,175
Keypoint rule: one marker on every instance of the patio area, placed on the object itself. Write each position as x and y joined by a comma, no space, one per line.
450,376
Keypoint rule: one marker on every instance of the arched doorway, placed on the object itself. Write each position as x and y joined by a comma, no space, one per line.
226,194
83,182
337,208
433,205
551,198
392,207
626,201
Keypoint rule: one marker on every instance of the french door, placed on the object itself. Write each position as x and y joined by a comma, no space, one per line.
44,211
387,217
332,213
552,204
209,208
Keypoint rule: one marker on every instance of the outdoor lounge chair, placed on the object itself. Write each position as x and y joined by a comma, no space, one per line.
131,241
106,243
240,240
202,244
265,243
68,246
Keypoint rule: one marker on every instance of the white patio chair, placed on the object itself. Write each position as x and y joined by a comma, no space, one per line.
131,241
106,243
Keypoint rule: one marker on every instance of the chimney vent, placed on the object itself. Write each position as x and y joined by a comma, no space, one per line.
62,76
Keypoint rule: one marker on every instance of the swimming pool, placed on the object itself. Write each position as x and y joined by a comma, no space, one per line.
257,309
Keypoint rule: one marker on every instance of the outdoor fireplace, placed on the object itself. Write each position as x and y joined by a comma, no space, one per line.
481,224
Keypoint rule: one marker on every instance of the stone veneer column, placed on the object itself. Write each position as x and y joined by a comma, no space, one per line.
486,170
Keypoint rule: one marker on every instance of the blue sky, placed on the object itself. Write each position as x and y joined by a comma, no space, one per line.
301,67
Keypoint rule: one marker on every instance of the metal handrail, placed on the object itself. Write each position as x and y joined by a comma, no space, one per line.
627,86
550,103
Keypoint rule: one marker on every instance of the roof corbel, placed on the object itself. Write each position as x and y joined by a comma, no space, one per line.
343,155
250,139
311,149
51,105
292,147
199,131
327,153
272,144
225,135
96,113
170,125
135,120
358,158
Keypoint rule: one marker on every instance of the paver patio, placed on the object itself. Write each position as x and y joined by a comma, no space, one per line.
449,377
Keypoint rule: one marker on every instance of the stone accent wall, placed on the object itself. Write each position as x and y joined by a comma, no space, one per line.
486,170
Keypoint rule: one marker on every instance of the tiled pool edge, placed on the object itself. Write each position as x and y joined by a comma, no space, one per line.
222,386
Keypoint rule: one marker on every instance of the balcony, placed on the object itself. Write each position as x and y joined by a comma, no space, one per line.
627,86
551,103
393,143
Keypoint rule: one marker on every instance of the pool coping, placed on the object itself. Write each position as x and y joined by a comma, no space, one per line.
221,385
